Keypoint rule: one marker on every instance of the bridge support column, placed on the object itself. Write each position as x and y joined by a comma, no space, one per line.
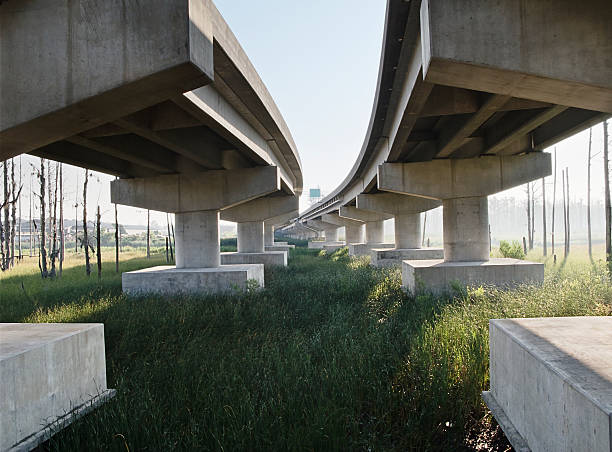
197,200
251,237
330,229
354,234
463,186
374,230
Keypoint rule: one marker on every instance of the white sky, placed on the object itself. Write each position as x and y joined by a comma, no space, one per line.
319,60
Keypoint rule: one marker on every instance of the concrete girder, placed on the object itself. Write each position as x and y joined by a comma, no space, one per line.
81,78
209,190
545,63
395,204
261,209
463,178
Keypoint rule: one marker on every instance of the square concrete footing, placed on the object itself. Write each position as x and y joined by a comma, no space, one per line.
320,245
364,249
332,248
437,275
551,382
167,279
394,257
269,258
50,374
277,247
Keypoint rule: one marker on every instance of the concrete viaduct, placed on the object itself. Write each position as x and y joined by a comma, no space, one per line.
164,97
469,94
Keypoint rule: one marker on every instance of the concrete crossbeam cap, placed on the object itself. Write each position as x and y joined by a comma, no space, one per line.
395,204
261,209
354,213
208,190
463,178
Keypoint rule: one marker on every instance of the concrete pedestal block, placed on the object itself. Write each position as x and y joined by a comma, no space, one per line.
269,258
281,244
320,245
551,382
364,249
334,247
167,279
277,247
394,257
437,275
50,374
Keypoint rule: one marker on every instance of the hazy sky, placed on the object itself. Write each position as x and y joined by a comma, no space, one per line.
319,60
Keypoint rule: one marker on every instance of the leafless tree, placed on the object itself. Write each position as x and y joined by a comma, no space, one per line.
62,239
53,222
608,208
85,238
13,213
169,237
19,224
589,194
43,252
552,223
148,234
98,246
544,240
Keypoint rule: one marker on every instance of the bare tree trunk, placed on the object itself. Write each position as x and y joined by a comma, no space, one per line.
564,213
53,222
76,218
13,213
31,225
148,234
98,245
169,237
529,213
607,195
167,256
6,252
589,195
552,225
544,251
42,240
568,208
173,237
116,241
85,238
49,203
424,227
19,224
62,239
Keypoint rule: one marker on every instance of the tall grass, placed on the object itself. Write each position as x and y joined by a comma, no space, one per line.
331,355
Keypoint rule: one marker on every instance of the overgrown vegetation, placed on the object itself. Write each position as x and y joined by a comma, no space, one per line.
331,355
511,249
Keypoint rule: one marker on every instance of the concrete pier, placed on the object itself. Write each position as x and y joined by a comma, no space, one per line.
551,382
50,375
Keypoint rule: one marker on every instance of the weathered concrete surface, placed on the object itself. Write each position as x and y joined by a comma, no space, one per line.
551,380
334,247
277,247
46,371
467,44
463,178
208,190
374,232
437,275
465,223
394,257
197,239
250,237
170,280
268,258
364,249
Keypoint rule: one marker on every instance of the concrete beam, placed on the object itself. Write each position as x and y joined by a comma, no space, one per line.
395,204
463,178
336,219
209,190
61,74
261,209
465,44
363,215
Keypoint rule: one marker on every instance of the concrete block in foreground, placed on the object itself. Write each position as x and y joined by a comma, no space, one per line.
167,279
269,258
437,275
394,257
551,382
333,248
50,374
364,249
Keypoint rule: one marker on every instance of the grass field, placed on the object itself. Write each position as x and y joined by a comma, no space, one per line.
331,355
